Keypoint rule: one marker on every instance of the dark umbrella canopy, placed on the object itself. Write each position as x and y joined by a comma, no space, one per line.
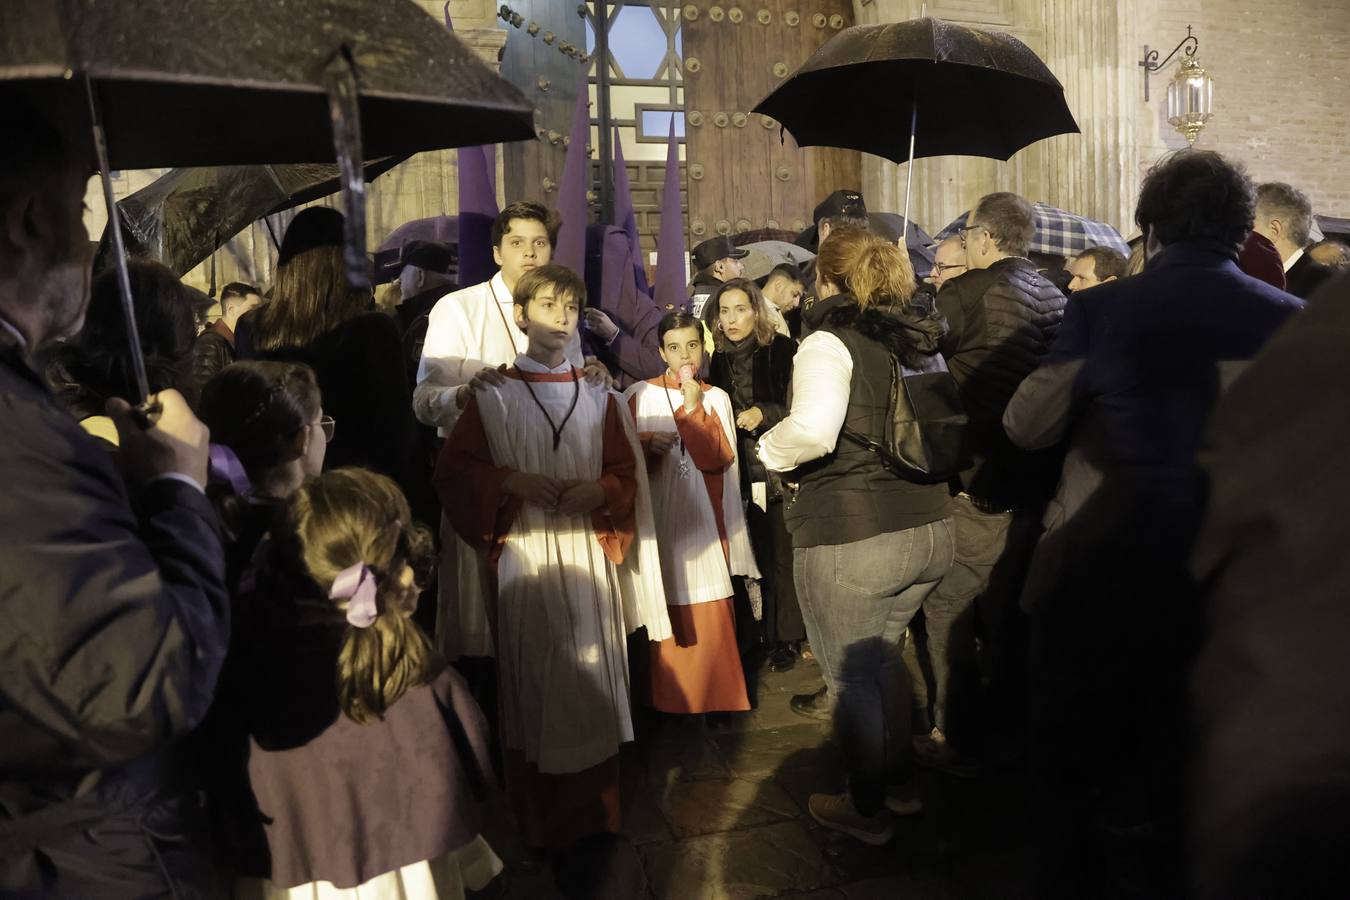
184,215
230,82
978,93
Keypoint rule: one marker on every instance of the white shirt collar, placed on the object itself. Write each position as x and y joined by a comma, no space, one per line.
1293,258
526,364
18,335
499,292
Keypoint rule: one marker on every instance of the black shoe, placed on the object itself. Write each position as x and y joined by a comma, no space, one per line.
813,706
782,659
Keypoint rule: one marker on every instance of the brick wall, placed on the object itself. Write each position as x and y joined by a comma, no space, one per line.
1282,88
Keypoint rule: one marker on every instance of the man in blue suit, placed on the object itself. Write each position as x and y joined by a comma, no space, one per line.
1134,374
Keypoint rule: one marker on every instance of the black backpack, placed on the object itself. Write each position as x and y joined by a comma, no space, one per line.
927,437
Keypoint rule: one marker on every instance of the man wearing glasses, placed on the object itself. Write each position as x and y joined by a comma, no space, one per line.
1003,315
949,261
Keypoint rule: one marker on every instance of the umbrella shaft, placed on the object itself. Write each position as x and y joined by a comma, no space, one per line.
119,249
909,172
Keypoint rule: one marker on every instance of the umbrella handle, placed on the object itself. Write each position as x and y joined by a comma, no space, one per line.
119,249
147,413
344,113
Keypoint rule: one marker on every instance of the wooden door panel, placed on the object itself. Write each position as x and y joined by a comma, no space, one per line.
748,175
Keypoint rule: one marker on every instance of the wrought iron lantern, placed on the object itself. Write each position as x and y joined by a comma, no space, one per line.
1190,93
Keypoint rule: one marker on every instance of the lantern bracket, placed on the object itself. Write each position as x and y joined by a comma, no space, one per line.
1150,63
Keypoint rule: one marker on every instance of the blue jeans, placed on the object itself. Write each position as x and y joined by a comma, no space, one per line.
857,599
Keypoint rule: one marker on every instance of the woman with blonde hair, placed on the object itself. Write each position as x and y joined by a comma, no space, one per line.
868,544
366,753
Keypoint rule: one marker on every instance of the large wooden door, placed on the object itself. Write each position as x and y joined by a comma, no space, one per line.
741,175
534,61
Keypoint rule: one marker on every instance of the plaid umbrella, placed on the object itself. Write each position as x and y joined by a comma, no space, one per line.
1059,233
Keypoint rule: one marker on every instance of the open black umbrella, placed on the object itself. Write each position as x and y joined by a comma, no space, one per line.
235,82
181,217
230,82
964,92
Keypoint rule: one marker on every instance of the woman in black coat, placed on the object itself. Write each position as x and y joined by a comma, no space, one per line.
356,354
753,364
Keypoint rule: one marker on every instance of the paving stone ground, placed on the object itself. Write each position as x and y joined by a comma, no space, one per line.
719,813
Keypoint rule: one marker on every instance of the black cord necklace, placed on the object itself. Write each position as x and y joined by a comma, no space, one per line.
556,429
680,438
684,459
510,335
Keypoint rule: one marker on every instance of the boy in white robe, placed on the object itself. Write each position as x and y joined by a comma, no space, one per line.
541,477
470,339
686,430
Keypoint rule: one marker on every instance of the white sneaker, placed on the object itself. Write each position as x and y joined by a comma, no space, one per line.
903,799
933,751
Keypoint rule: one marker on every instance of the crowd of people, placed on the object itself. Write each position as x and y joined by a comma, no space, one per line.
279,635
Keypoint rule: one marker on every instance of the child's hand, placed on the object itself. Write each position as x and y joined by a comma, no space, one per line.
537,489
693,394
581,497
662,441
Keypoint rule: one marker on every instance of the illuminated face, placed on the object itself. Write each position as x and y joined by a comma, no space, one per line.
784,293
682,347
736,315
524,246
320,432
549,320
949,261
728,268
1084,272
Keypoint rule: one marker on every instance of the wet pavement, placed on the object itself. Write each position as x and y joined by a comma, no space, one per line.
719,813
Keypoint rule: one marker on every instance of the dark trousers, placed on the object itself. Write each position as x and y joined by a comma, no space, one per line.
772,544
977,597
857,599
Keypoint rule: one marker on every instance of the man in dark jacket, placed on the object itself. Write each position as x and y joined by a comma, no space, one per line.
715,260
1003,315
1284,215
214,348
1137,368
113,613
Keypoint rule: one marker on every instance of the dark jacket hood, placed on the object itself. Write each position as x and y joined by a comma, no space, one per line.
911,333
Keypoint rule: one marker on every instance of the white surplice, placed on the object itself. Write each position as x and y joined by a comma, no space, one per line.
563,609
692,563
467,331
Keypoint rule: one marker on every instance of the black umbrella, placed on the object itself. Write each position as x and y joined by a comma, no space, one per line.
965,91
236,82
221,82
181,217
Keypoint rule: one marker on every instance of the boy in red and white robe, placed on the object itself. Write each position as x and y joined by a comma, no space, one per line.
541,475
686,429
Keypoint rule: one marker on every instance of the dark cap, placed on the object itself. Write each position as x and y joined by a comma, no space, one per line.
713,249
434,256
317,226
841,203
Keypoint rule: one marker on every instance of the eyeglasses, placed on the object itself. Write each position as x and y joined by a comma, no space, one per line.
964,231
940,270
329,426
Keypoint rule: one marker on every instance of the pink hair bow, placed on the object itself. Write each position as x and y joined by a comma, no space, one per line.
356,585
